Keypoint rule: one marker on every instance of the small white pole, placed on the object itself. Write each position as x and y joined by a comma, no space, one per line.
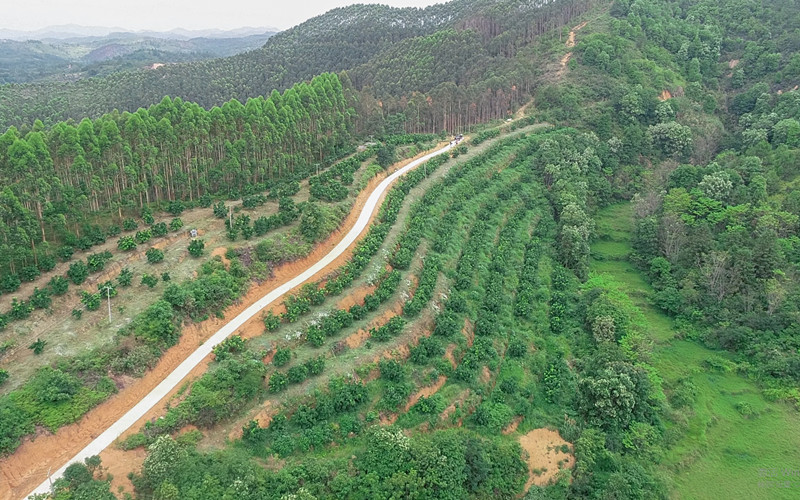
108,293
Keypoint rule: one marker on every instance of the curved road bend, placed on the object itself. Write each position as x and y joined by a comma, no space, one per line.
177,375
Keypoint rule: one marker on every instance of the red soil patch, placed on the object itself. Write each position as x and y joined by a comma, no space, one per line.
570,43
28,466
665,94
521,111
513,425
486,375
459,401
544,454
388,419
263,417
469,332
449,355
355,297
372,375
118,463
221,251
571,39
358,338
426,391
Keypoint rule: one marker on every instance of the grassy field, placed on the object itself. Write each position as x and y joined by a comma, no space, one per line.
733,432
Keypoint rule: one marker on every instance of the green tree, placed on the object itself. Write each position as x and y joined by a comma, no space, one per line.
386,155
164,457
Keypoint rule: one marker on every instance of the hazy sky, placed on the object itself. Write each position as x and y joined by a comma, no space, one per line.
167,14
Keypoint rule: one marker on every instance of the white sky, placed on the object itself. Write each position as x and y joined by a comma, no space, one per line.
163,15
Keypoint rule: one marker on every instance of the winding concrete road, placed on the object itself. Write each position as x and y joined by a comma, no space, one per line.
177,375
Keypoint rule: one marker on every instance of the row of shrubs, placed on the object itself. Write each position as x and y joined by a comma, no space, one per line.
92,235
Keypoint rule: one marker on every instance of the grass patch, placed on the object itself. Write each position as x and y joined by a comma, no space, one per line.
731,431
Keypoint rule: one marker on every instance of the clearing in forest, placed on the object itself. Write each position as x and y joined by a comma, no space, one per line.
548,453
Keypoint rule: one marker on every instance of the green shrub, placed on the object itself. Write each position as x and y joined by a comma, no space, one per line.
147,216
58,285
297,374
126,243
160,229
129,225
232,345
125,277
176,208
78,272
41,298
20,309
90,300
154,255
97,261
149,280
29,273
278,382
46,263
38,346
271,321
492,416
196,248
10,283
143,236
65,253
282,356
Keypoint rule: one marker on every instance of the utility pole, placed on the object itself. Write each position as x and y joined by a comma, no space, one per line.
108,294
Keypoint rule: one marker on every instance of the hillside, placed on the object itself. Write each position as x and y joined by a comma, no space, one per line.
595,295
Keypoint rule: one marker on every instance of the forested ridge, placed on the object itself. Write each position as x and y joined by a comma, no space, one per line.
342,39
598,300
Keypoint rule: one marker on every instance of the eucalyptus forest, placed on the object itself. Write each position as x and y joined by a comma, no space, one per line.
594,294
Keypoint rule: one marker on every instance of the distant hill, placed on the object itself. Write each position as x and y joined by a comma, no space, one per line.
72,31
72,54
